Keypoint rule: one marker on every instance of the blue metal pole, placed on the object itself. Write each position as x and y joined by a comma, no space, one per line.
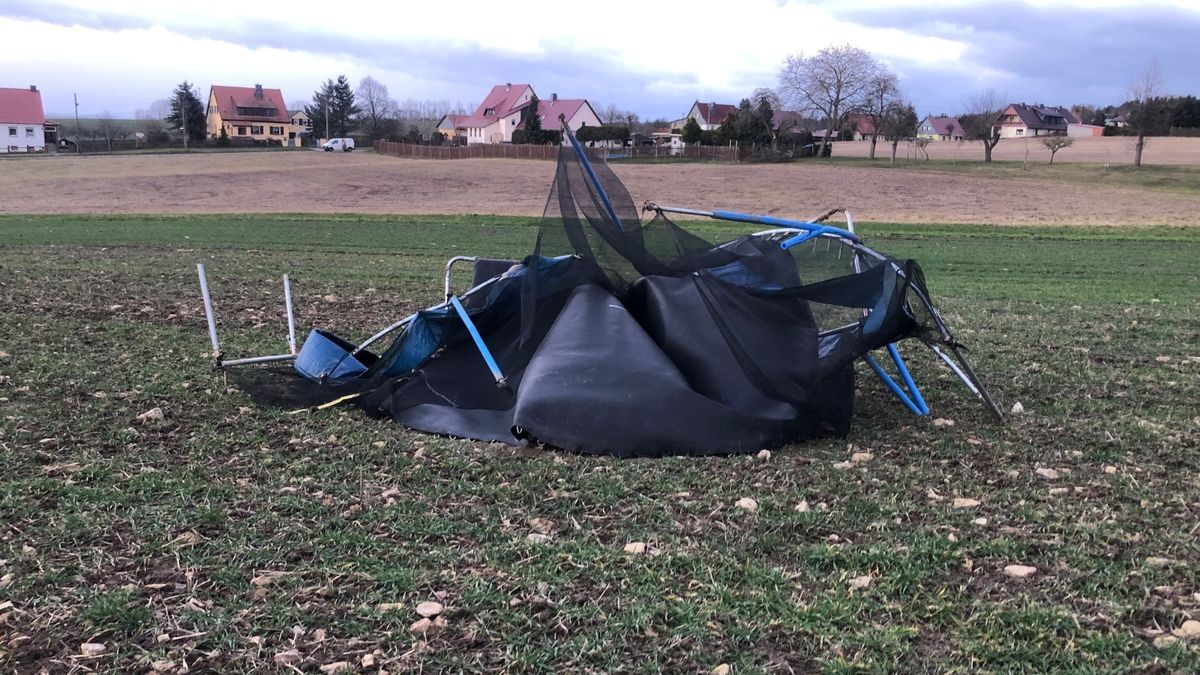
908,379
813,229
483,350
891,384
587,167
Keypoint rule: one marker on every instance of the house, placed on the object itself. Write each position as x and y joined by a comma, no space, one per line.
503,111
453,126
708,115
940,128
248,114
1020,120
787,122
860,126
1118,121
22,120
299,127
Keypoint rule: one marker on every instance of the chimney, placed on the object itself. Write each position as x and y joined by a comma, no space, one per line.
258,91
33,87
553,97
507,86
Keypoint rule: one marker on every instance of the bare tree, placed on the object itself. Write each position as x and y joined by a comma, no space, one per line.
1056,143
898,123
883,91
923,147
982,121
378,112
832,82
108,128
769,95
1144,90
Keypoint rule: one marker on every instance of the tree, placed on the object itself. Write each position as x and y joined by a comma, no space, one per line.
882,92
982,121
108,128
1056,143
187,114
898,123
332,111
378,112
1145,89
691,132
832,82
923,147
1186,112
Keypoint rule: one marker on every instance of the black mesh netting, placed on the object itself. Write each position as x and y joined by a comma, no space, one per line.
617,336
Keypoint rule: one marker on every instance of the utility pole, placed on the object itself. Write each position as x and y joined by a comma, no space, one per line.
326,119
78,132
183,115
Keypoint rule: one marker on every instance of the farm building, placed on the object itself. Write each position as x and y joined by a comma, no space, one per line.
708,115
249,114
22,120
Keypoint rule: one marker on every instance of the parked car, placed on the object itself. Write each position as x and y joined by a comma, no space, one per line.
343,144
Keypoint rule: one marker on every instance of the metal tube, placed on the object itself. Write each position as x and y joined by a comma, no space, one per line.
909,383
291,317
449,265
479,343
891,384
208,310
735,216
257,359
378,336
591,174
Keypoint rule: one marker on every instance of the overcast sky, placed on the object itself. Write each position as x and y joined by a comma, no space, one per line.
121,55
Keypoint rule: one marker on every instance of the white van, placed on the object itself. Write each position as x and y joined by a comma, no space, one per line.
343,144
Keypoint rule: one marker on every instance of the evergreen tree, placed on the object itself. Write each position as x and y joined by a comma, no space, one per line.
187,112
691,131
333,108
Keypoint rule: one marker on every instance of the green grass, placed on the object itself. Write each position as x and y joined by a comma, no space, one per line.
159,539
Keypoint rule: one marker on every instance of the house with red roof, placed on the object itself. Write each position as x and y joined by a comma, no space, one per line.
504,110
249,114
940,128
22,120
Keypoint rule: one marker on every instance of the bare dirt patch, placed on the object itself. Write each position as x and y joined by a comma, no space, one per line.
362,182
1116,150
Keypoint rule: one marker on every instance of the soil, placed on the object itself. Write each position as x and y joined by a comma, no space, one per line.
362,182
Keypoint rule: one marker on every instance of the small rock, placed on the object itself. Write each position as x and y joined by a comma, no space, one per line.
151,415
1155,561
802,507
980,522
1162,359
429,609
1020,571
843,465
368,660
329,298
860,582
764,455
1163,641
162,666
543,525
943,422
1047,473
389,607
722,669
747,504
420,627
635,548
964,503
537,538
336,667
163,637
1110,469
1017,408
92,649
1054,492
860,457
1187,631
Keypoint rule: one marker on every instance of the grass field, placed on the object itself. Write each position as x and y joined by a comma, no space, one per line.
233,538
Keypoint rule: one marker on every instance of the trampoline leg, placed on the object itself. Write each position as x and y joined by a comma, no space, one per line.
909,384
890,383
483,350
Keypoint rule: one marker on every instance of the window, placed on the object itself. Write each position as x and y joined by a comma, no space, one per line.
256,112
241,131
1020,132
28,132
256,129
12,131
276,131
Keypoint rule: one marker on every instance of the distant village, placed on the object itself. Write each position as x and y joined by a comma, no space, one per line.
257,115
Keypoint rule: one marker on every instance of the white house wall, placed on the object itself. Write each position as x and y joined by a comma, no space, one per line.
22,141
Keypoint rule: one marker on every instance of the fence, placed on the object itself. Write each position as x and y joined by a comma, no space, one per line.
497,151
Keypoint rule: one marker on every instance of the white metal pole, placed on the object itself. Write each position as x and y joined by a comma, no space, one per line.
208,311
287,297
